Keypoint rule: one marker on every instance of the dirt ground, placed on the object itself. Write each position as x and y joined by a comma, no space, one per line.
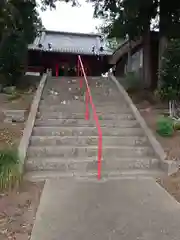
151,110
171,145
10,133
18,210
172,185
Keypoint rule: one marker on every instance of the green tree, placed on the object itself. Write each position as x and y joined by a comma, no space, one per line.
134,18
169,86
19,25
12,57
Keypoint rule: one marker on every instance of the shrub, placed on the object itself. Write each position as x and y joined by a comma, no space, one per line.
9,169
165,127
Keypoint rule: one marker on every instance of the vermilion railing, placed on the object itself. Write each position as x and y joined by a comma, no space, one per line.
88,99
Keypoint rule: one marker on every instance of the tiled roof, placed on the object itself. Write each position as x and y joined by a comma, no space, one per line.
66,42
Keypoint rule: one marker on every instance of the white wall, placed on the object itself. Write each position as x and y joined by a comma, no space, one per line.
137,60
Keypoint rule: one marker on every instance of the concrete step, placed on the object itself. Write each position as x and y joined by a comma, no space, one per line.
63,107
60,88
76,82
58,96
103,95
70,99
89,151
79,107
54,101
86,131
58,99
90,164
129,174
65,115
50,102
89,140
73,111
89,123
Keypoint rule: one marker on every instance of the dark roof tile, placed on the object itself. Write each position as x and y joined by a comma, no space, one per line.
77,43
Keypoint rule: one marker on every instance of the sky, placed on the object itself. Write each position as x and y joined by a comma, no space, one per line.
71,19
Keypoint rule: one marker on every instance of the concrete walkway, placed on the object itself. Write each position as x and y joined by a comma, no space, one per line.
107,210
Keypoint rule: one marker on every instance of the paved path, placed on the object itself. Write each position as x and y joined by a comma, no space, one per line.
109,210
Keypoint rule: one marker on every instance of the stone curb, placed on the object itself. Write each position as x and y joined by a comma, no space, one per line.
167,165
24,143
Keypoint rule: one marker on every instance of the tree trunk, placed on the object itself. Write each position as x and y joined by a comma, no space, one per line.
163,32
163,41
147,73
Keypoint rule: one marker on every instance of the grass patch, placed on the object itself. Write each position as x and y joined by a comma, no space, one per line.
9,169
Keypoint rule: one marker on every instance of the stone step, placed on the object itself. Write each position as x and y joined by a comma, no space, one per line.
56,95
109,103
114,95
89,123
54,102
89,140
70,87
89,151
81,109
57,90
129,174
89,164
65,115
86,131
76,82
58,100
78,104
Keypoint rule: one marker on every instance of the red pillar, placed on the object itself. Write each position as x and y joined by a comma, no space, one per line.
57,70
78,68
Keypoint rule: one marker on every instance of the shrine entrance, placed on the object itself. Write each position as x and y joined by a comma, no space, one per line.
65,64
65,69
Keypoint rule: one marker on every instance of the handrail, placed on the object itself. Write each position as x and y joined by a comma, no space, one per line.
89,99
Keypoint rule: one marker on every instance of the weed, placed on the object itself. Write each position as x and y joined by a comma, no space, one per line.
9,169
14,96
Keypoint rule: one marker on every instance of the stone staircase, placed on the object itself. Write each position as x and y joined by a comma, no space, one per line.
63,144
